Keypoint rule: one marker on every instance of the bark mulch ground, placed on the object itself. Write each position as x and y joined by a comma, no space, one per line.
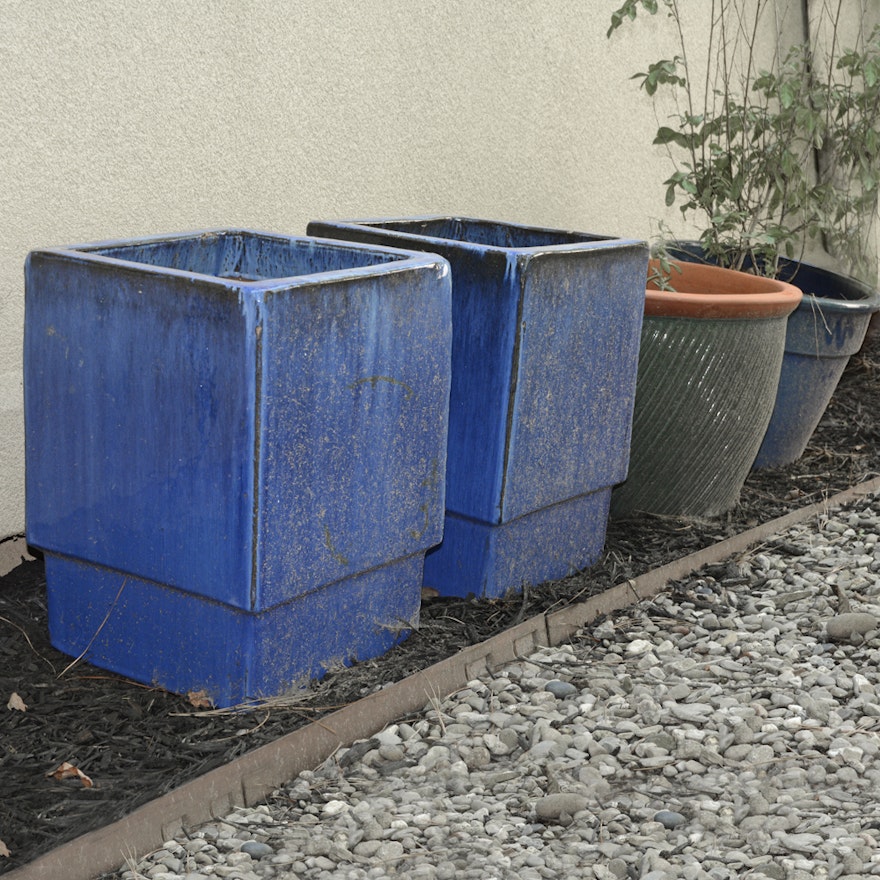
136,743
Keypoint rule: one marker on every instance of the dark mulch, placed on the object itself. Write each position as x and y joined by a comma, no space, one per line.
137,743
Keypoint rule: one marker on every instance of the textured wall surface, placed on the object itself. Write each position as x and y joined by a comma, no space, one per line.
121,118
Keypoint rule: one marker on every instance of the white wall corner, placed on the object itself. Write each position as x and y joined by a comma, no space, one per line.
13,551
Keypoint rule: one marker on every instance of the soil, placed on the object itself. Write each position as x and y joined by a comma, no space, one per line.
135,743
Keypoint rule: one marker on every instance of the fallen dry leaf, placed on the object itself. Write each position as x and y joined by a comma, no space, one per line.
17,703
68,771
4,850
199,699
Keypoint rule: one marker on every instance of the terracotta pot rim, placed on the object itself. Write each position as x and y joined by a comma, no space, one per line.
704,291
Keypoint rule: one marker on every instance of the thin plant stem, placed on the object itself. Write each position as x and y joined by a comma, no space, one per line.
97,631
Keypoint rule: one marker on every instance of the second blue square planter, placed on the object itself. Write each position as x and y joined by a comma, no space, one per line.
546,327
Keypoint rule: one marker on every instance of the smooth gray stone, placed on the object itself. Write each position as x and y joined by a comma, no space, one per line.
554,805
844,626
669,818
257,850
560,689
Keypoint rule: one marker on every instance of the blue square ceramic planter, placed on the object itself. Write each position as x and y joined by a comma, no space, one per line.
546,328
235,448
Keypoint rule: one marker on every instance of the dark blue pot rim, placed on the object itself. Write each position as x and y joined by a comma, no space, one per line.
856,296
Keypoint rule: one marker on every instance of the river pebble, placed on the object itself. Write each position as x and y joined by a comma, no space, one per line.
729,727
844,626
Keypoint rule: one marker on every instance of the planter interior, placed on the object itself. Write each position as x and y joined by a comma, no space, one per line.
545,346
707,379
245,426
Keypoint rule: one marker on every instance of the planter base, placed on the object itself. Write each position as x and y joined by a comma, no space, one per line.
489,560
182,642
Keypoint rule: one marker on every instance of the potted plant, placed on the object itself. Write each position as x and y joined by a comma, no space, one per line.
709,363
235,448
776,152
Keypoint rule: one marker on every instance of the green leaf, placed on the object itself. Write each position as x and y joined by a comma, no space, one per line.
628,12
737,187
787,94
666,135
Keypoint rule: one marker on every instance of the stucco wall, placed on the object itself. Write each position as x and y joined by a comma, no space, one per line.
121,118
127,118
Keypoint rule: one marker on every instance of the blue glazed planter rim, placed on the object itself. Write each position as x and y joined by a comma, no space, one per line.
870,303
868,300
586,240
398,258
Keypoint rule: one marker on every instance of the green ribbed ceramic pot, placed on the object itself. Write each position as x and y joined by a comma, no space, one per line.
709,364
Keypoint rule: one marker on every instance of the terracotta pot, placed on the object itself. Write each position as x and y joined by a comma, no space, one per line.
709,364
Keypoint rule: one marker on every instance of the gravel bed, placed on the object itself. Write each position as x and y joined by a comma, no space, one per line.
728,728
